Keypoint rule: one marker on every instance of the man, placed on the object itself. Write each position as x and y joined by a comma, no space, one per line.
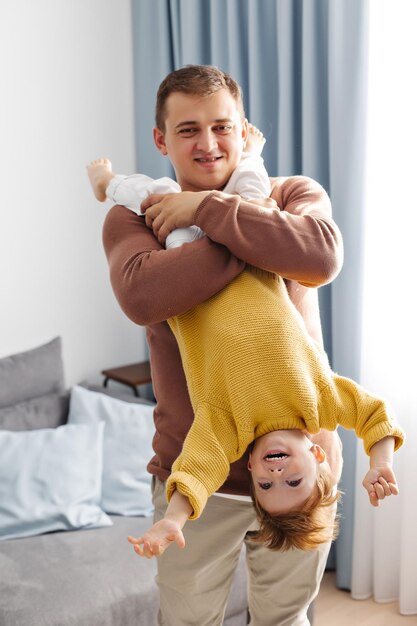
200,126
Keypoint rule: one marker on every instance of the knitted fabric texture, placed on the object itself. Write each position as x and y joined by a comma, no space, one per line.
251,368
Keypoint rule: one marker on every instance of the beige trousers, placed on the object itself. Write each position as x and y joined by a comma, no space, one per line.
194,583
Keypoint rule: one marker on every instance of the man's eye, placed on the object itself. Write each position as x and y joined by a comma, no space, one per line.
265,486
187,131
294,483
223,129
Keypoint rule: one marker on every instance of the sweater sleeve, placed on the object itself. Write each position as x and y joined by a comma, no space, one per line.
204,463
299,240
152,284
346,403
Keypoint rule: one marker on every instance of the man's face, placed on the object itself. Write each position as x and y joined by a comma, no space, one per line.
284,466
204,139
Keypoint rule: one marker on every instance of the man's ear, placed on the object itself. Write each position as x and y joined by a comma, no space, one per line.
159,140
318,452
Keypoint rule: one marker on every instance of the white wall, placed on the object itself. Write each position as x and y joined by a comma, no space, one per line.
66,98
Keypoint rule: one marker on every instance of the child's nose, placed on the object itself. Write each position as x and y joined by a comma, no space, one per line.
276,469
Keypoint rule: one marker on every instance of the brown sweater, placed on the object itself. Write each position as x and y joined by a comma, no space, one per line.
300,242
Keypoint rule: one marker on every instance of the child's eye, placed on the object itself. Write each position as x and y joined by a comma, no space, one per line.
294,483
265,486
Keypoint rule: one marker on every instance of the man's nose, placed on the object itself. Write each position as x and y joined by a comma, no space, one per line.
207,141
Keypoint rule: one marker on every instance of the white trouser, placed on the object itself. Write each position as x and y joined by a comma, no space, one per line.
131,191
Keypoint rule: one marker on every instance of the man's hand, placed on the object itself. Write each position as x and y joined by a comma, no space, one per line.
156,540
164,213
331,443
380,482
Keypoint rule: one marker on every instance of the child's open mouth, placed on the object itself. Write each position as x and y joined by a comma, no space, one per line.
275,456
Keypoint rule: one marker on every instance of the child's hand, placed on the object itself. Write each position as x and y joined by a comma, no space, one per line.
380,482
156,540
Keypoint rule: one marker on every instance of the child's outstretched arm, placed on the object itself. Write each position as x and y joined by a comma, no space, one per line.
168,530
380,480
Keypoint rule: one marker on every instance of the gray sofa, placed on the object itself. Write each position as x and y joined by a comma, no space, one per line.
86,577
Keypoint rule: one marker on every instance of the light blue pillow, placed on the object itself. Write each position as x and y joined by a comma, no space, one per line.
50,479
127,448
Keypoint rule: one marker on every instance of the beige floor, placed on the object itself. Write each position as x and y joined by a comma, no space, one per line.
336,608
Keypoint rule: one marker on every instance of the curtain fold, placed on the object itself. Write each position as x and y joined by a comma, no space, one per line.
302,68
348,53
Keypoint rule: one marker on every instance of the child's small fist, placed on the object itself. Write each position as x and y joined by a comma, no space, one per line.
380,483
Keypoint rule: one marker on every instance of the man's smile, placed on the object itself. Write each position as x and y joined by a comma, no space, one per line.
210,159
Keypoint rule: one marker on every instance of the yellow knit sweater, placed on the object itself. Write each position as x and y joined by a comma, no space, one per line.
251,368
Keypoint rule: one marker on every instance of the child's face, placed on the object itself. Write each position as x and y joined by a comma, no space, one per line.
204,138
284,466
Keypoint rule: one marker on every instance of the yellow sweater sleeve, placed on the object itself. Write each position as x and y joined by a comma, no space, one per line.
204,463
346,403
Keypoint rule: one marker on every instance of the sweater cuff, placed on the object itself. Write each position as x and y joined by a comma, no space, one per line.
213,197
379,431
189,487
202,205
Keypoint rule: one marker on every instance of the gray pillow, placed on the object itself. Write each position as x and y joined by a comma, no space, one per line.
47,411
31,374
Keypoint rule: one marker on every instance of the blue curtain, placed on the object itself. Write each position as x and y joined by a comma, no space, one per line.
302,67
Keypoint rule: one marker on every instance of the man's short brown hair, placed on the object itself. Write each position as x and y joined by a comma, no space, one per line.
306,528
195,80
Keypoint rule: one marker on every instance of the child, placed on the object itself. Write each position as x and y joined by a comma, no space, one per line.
250,180
239,350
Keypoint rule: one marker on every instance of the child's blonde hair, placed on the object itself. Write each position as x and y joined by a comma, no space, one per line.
305,528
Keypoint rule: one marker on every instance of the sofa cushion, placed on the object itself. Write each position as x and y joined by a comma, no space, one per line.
127,448
83,578
32,373
47,411
88,578
50,479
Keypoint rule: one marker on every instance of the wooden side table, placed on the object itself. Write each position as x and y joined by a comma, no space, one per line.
131,375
